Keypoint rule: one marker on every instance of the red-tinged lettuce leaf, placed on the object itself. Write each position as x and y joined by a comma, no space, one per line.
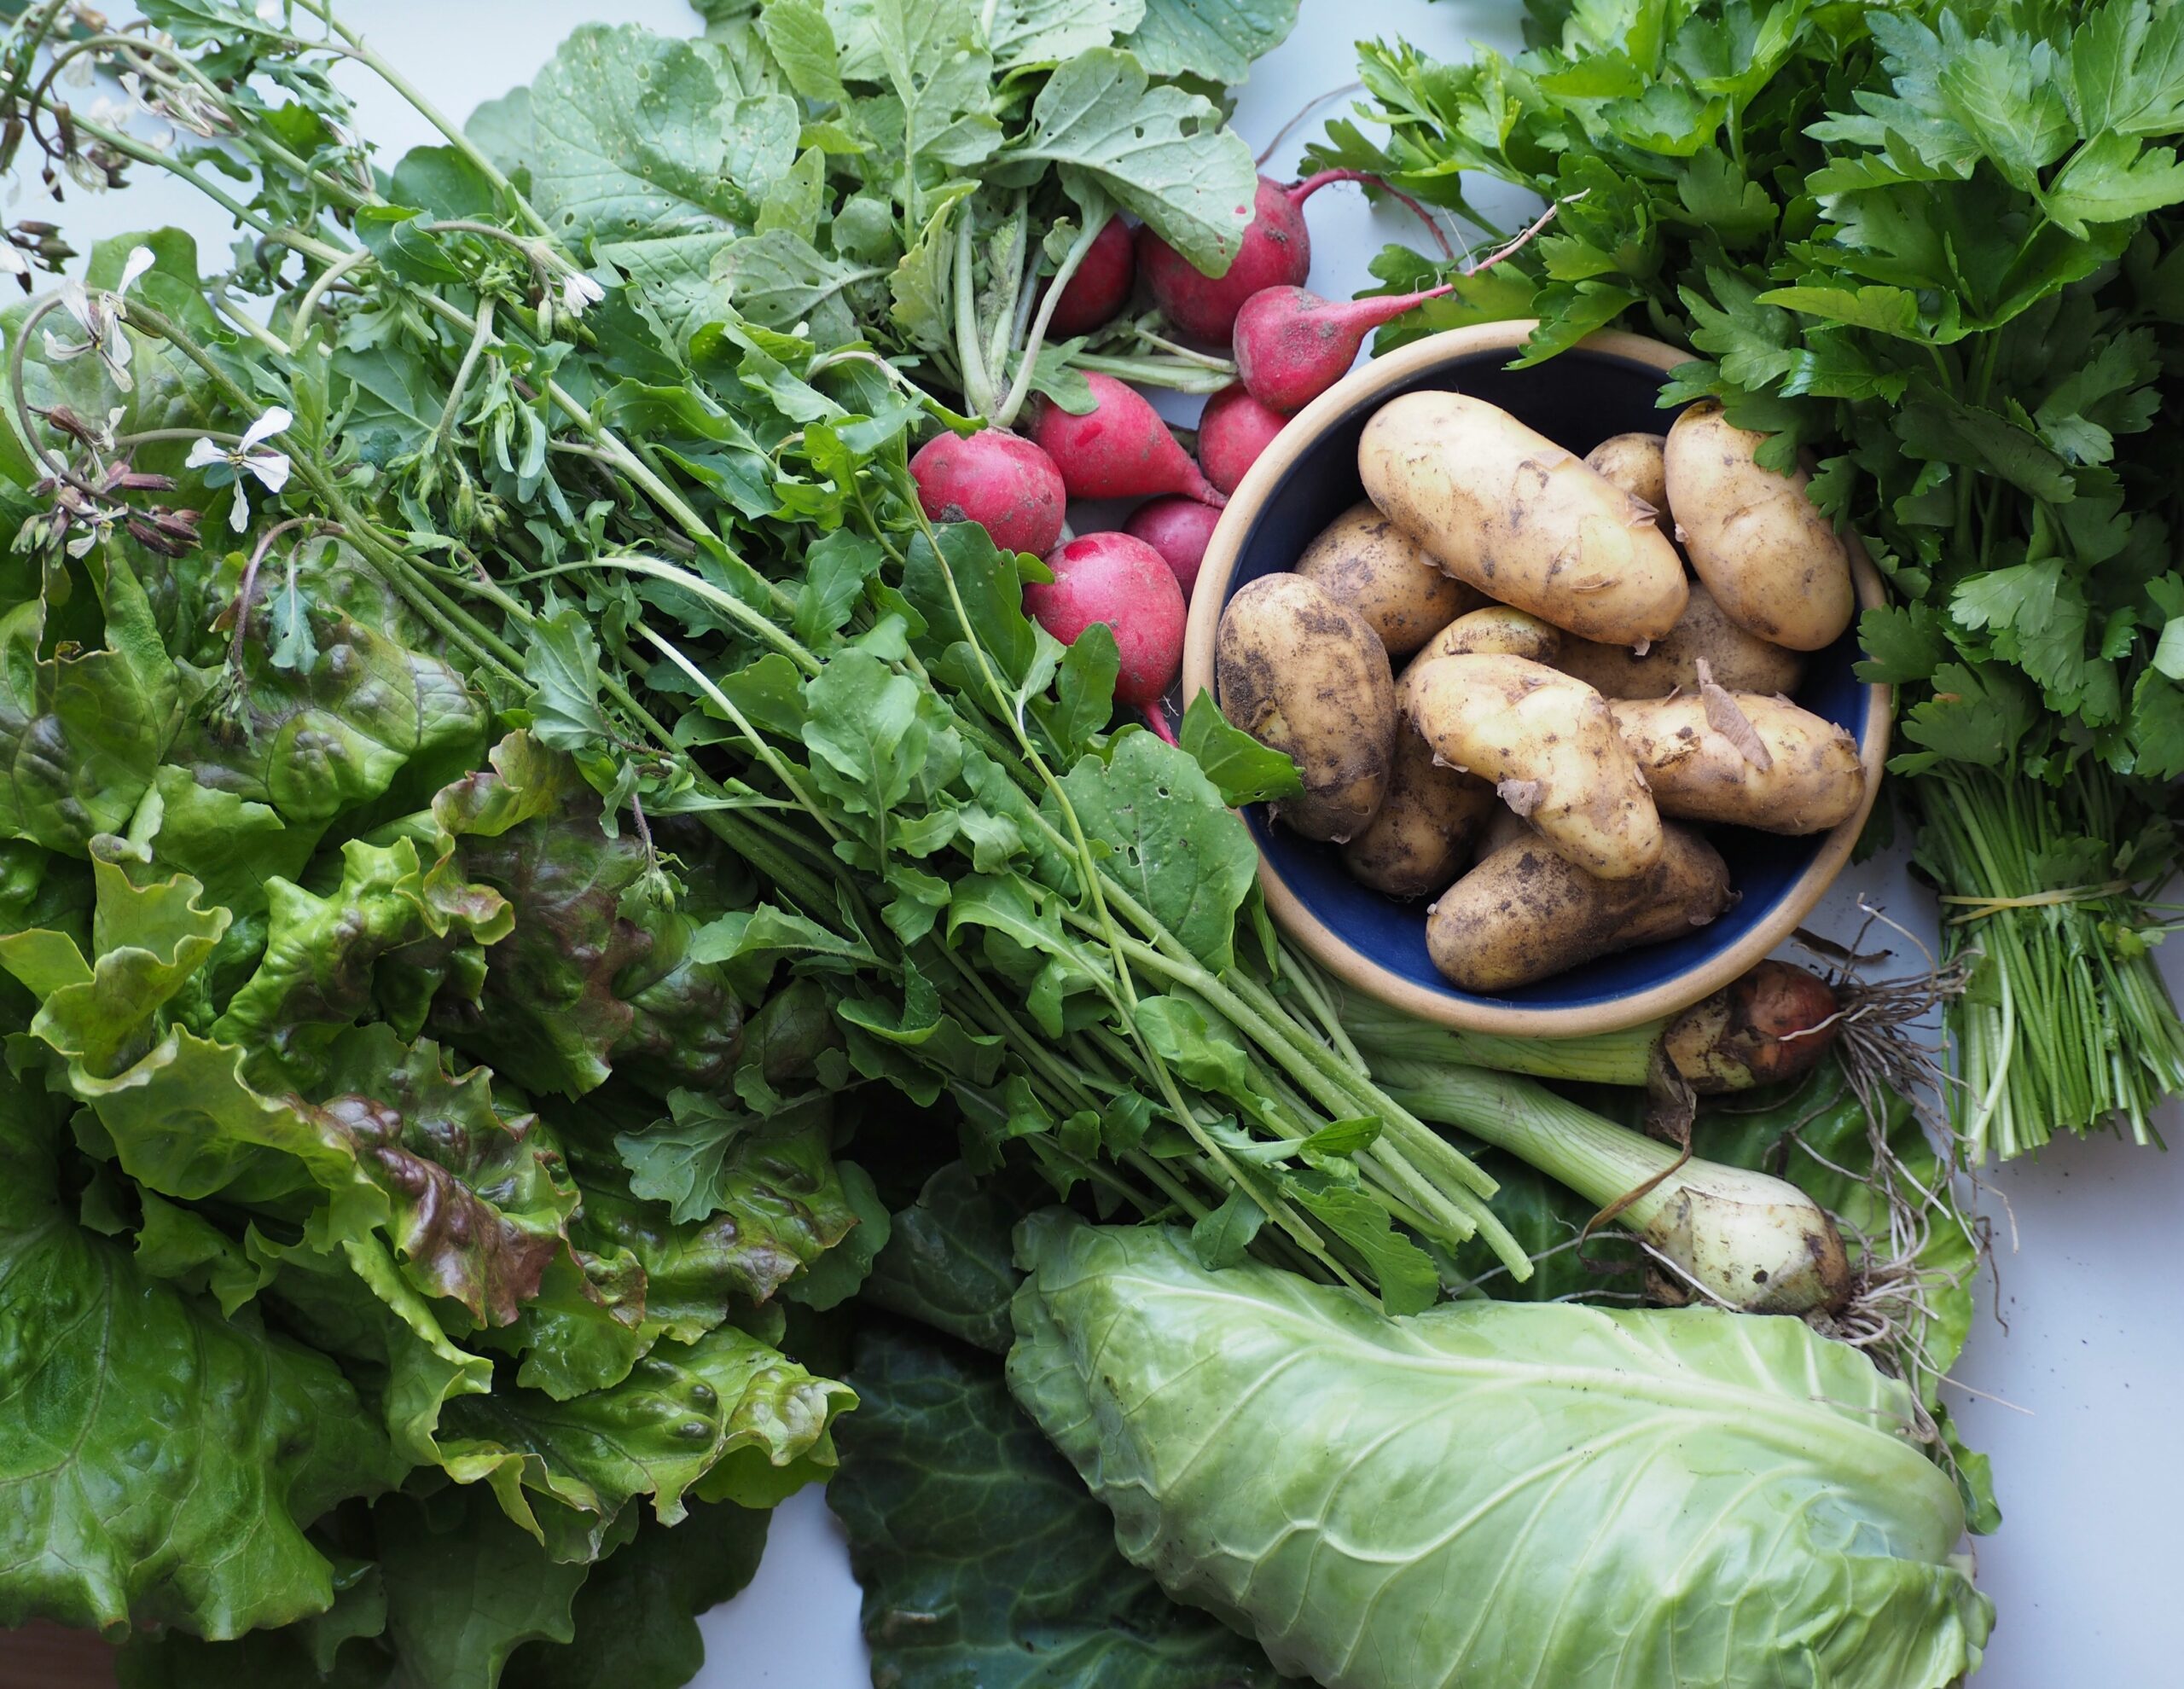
365,721
591,979
389,937
984,1558
160,1461
84,719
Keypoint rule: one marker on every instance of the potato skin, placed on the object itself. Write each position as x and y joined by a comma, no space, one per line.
1816,779
1633,462
1520,519
1525,914
1739,661
1551,739
1301,673
1774,563
1497,630
1363,560
1422,835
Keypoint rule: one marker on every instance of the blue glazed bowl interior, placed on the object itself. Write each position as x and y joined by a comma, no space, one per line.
1577,400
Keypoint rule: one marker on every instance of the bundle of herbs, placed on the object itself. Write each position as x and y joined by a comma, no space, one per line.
1932,246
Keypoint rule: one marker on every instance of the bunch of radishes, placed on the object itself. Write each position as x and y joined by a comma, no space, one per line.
1290,347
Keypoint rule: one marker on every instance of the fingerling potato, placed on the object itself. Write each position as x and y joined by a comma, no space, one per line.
1520,518
1306,675
1775,565
1364,560
1739,661
1525,914
1422,835
1633,462
1784,770
1551,745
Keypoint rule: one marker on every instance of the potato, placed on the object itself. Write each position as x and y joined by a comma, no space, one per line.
1739,662
1520,518
1503,827
1525,914
1806,778
1422,835
1499,630
1362,559
1633,462
1774,563
1308,677
1552,746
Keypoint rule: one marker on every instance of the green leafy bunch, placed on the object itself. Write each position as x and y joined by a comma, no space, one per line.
349,1065
1929,248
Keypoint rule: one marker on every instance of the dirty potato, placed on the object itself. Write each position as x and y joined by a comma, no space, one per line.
1306,675
1739,661
1521,519
1774,563
1364,560
1422,835
1551,745
1744,759
1498,630
1633,462
1525,914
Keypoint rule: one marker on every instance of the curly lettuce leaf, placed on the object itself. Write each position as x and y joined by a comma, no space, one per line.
81,729
1572,1496
592,979
161,1461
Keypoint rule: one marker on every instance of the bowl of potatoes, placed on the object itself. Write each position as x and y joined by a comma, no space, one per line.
1568,679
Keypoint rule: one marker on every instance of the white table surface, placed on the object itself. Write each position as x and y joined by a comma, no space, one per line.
2070,1384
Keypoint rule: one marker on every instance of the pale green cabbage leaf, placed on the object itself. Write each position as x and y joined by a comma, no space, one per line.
1533,1497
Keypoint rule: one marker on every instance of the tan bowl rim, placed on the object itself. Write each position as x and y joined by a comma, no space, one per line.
1328,947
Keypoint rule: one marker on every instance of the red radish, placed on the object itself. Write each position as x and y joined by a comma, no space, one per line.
1119,449
1179,529
1233,433
1292,346
1113,578
997,480
1276,252
1100,287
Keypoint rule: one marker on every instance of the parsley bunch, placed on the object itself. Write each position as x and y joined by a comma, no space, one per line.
1928,245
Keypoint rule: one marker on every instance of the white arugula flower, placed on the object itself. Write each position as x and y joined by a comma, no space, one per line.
580,292
252,456
100,315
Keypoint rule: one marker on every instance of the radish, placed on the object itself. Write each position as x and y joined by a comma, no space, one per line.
1113,578
1000,480
1292,346
1276,252
1119,449
1233,433
1101,286
1179,529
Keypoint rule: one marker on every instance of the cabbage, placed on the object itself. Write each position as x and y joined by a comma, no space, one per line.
1525,1497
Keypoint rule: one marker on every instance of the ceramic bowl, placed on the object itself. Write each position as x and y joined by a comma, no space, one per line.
1609,383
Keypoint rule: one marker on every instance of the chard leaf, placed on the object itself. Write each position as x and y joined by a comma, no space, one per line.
162,1474
626,140
947,1261
1161,152
1213,40
1485,1449
982,1558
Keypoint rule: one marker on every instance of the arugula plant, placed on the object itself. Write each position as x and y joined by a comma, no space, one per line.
1933,244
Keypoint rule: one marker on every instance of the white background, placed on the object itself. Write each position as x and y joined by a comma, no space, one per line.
2076,1397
